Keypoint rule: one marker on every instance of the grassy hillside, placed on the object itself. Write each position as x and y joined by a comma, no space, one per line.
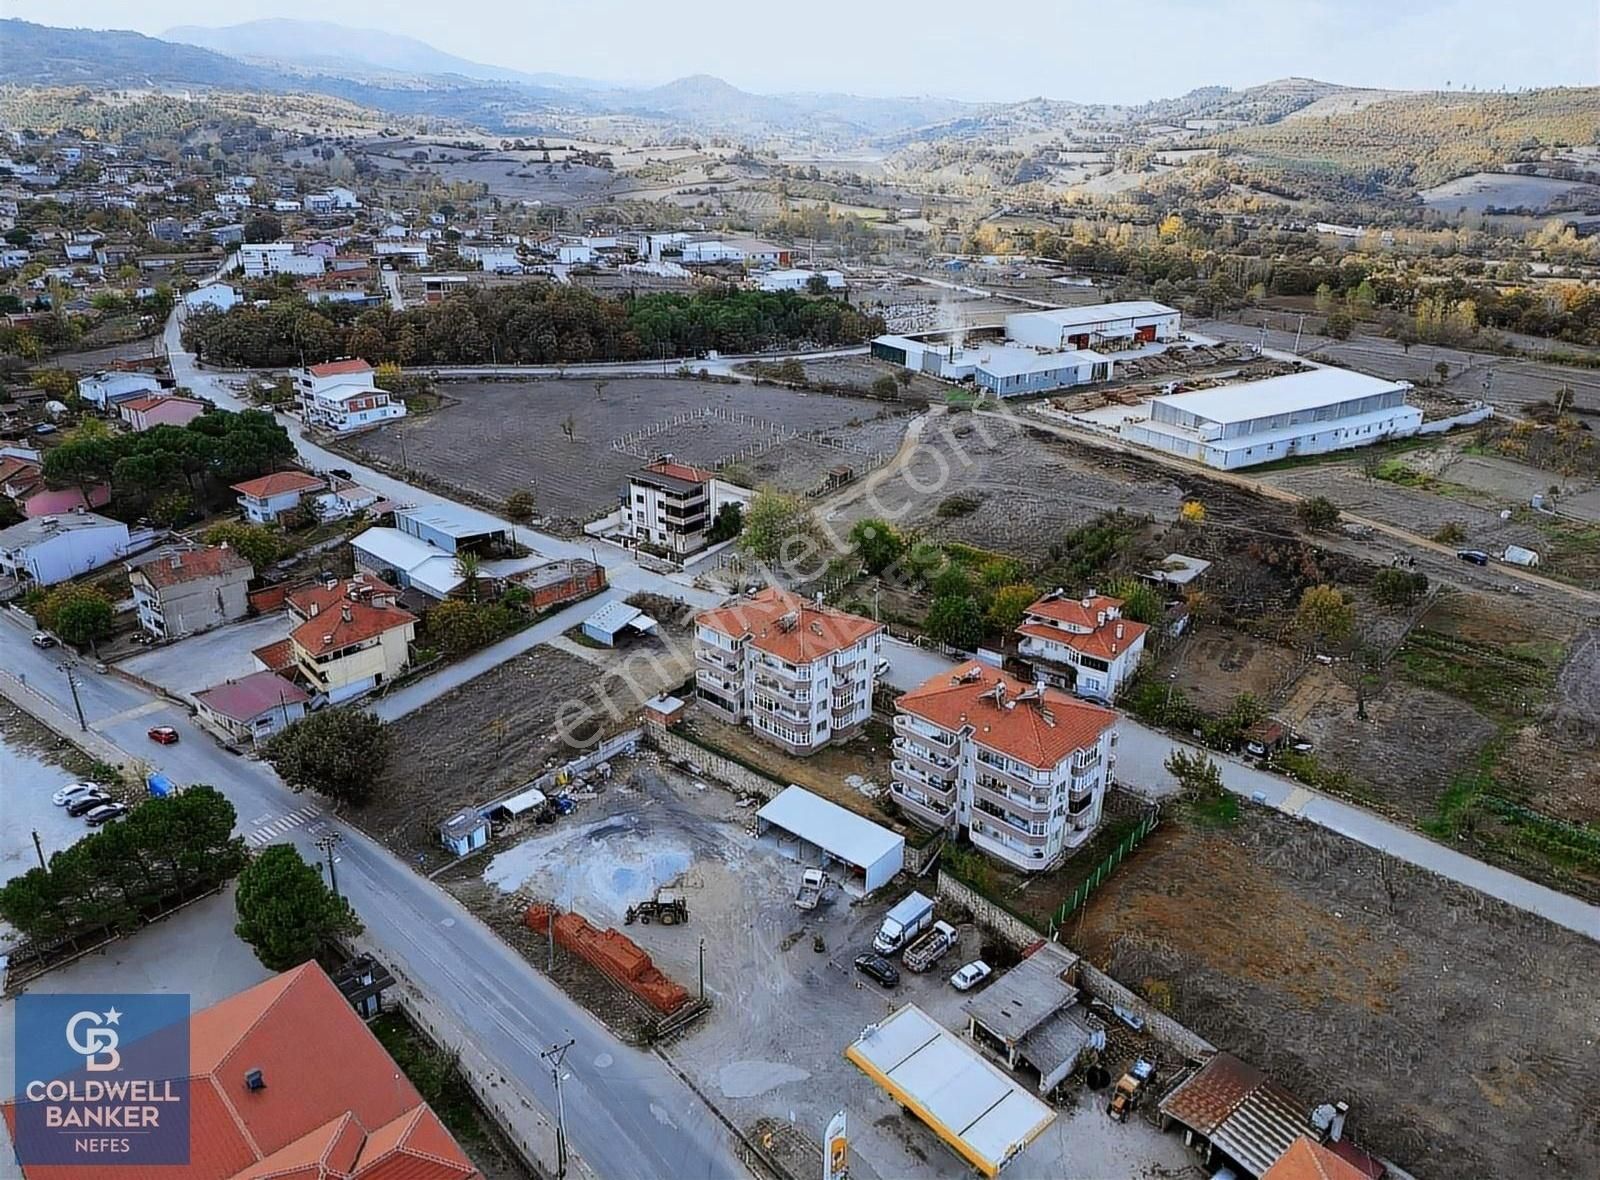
1417,140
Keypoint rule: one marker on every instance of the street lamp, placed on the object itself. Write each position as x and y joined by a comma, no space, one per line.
328,841
555,1055
72,683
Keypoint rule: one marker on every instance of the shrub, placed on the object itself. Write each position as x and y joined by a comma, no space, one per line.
960,504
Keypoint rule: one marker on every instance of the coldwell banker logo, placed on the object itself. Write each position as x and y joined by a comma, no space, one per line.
102,1079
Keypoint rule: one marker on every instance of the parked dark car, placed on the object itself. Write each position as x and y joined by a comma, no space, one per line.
105,814
1475,556
879,968
341,472
84,804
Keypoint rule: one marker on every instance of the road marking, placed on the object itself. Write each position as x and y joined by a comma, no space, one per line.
145,709
267,832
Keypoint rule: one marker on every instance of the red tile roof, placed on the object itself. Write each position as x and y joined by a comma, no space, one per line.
340,368
344,1111
135,404
346,624
1306,1160
250,696
311,600
177,568
1039,729
812,632
681,471
277,657
1076,612
11,466
1103,643
278,483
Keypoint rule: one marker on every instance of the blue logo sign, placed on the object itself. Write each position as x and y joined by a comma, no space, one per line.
102,1079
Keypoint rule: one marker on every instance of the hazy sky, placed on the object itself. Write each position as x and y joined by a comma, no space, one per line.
1090,50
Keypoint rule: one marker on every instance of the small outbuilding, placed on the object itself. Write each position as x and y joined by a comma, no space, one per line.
983,1115
252,708
1232,1113
617,621
464,832
814,830
664,710
516,806
1031,1016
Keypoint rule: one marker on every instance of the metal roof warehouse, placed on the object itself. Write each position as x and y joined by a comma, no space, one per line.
983,1115
873,854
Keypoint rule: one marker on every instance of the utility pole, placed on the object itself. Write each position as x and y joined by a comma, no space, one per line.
1299,328
38,848
555,1055
72,683
702,967
328,841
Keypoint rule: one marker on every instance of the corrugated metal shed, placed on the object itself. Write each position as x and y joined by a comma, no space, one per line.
1245,1114
979,1111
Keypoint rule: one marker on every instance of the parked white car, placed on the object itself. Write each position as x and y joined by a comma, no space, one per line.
72,791
971,975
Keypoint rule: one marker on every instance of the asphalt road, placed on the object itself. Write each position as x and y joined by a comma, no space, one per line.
1141,758
628,1115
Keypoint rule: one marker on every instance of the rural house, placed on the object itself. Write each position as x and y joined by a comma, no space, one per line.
351,637
253,708
184,593
1081,644
265,499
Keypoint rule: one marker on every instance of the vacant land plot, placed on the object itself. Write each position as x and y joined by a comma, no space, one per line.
502,437
489,736
1211,667
1029,487
1459,1030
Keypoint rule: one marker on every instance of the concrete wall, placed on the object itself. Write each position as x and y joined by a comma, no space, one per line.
1000,922
1466,418
724,770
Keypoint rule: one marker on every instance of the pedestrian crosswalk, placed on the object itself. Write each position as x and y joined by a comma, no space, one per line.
274,829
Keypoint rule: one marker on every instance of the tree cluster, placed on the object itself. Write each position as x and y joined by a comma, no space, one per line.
526,323
334,752
165,850
287,912
216,449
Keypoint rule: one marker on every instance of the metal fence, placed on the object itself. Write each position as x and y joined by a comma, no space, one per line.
1103,870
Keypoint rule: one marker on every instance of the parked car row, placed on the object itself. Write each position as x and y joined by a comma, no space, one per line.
90,802
909,928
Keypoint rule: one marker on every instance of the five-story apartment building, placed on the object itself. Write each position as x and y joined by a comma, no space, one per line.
1022,769
799,673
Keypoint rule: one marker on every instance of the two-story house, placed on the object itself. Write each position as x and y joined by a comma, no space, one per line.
268,497
351,637
1022,769
672,506
162,409
184,593
340,396
1081,644
798,673
45,550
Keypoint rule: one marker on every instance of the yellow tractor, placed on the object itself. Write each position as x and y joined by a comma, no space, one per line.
1125,1098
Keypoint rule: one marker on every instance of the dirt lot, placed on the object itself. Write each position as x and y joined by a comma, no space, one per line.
1030,488
1212,666
577,478
490,736
1460,1030
771,1050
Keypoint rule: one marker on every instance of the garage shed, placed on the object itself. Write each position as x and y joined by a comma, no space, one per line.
813,830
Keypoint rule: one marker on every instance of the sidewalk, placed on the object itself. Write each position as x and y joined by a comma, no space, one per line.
45,711
514,1110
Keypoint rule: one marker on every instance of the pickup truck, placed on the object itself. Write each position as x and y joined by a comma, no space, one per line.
812,884
931,947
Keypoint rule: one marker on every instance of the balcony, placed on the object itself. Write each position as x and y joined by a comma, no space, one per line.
1031,780
782,712
1016,843
922,810
784,688
921,732
915,776
988,789
787,675
717,658
909,748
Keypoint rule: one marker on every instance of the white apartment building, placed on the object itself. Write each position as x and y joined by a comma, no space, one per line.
261,259
672,506
1022,769
799,673
1081,644
340,396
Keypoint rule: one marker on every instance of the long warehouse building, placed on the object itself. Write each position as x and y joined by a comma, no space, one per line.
1307,413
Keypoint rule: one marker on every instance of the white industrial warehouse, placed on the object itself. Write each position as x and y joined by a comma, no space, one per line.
1306,413
815,830
1055,348
985,1116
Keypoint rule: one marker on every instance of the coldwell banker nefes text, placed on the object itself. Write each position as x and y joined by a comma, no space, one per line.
103,1076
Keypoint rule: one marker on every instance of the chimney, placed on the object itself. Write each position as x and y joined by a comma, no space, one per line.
327,641
344,613
316,609
253,1080
1119,630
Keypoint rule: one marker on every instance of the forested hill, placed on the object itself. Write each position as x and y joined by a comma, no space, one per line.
1417,140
